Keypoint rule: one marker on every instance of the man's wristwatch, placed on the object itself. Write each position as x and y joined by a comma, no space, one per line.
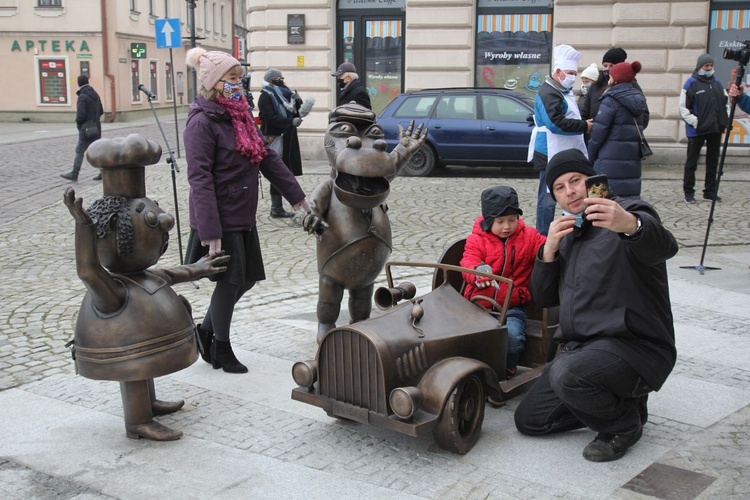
638,228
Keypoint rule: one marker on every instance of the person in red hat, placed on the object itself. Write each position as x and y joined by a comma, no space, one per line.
614,146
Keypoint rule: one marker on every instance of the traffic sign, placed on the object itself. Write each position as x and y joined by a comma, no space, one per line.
168,33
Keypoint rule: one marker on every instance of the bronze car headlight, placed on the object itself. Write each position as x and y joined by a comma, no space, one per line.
405,401
305,373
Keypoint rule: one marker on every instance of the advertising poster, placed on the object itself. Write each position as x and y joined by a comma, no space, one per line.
728,29
384,41
514,51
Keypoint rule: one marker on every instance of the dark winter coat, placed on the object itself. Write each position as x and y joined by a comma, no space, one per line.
703,106
614,146
275,121
512,259
89,108
589,104
224,183
613,293
357,92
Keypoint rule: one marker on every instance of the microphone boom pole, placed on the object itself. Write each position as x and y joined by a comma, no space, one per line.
172,162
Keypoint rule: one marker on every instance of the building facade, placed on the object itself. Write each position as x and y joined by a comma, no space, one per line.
396,45
46,44
401,45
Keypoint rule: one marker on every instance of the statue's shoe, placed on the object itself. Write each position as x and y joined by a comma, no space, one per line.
152,430
159,407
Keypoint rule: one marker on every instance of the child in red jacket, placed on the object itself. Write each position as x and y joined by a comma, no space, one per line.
501,240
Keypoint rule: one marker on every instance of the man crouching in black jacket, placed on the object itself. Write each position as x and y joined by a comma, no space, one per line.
604,264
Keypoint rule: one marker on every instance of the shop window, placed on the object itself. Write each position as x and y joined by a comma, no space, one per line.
729,25
53,81
135,95
371,36
513,45
153,77
168,81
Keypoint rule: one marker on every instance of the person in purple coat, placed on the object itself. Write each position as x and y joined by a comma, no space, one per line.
225,153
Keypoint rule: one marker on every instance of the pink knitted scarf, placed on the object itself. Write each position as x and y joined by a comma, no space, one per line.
249,142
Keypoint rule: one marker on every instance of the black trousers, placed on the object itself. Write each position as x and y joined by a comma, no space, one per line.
713,148
583,388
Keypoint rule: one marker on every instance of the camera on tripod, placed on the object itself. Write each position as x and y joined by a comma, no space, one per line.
741,55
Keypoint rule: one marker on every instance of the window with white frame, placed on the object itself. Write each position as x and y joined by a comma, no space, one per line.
205,16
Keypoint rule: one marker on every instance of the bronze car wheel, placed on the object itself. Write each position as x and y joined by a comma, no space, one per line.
422,163
463,414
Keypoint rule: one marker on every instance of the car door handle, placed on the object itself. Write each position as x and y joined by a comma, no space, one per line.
491,129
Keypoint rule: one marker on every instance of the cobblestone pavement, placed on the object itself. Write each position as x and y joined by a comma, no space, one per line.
274,325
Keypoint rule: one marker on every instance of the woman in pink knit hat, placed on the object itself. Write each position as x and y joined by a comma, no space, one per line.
225,153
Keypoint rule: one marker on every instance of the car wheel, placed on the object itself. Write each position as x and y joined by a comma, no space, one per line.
461,422
422,163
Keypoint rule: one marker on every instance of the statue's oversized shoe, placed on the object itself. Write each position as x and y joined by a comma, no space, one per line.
152,430
165,407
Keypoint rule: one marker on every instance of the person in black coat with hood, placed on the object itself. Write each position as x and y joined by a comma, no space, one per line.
614,146
352,90
88,112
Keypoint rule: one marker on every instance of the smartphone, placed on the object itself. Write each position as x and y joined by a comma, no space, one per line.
597,186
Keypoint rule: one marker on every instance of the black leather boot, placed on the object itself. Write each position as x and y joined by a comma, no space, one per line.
223,357
277,209
206,339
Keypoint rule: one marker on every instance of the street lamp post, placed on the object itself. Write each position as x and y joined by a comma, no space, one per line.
191,22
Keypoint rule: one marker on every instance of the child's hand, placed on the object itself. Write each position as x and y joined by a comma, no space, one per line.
485,282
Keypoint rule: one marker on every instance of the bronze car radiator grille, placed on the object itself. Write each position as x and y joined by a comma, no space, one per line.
412,363
350,371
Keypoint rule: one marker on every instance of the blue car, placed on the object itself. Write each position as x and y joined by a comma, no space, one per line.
467,126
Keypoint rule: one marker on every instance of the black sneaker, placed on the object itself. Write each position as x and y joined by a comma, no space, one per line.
712,197
70,176
97,177
689,198
608,447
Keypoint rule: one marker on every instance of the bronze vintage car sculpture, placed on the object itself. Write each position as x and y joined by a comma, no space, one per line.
426,364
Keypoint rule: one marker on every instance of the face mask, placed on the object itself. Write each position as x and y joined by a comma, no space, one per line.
569,81
279,82
232,91
341,83
708,73
579,218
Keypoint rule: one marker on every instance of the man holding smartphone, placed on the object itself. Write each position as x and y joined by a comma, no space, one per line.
616,334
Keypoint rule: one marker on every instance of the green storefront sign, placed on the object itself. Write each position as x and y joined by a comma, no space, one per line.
51,45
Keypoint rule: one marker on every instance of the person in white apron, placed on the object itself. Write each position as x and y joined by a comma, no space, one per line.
558,125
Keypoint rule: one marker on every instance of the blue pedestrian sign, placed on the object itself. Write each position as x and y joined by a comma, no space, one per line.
168,33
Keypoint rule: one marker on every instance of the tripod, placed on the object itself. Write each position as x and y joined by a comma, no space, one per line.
720,171
172,163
